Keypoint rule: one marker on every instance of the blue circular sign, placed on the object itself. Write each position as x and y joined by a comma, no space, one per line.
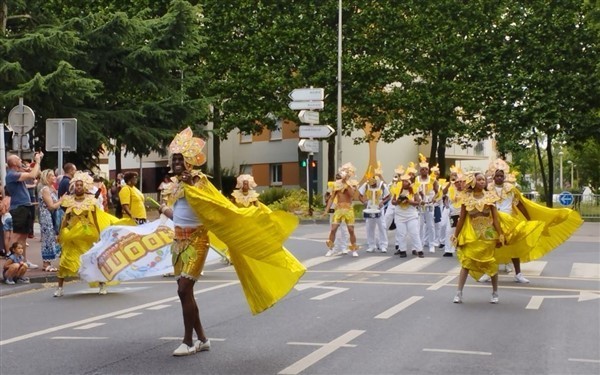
565,198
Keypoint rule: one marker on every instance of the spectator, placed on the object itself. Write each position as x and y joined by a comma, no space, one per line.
7,226
65,181
20,202
15,266
48,203
103,197
132,200
114,194
164,185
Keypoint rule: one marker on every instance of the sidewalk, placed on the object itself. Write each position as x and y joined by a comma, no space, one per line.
38,277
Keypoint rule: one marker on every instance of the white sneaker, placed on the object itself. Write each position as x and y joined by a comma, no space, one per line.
508,268
458,297
345,251
329,253
485,278
183,350
58,292
31,265
202,346
494,298
432,249
103,289
521,279
383,250
370,250
355,253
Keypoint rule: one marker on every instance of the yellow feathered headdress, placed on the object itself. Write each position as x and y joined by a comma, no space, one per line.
411,168
88,181
423,161
189,146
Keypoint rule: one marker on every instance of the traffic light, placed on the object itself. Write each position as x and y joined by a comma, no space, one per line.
313,164
303,163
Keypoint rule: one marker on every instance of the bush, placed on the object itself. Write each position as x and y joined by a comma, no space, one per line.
272,195
295,201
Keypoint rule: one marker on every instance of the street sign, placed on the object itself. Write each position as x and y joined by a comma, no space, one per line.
565,198
309,145
315,131
307,94
306,105
309,117
21,118
59,139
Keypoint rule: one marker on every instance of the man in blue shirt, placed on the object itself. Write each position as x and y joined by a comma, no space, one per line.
20,201
63,186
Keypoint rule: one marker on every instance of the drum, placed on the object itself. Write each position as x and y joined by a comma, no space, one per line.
371,213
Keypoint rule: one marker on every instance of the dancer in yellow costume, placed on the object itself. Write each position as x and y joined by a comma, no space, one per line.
558,223
267,271
244,194
343,191
342,236
80,228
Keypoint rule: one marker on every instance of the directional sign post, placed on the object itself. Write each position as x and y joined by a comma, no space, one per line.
307,94
315,131
309,117
565,198
309,145
296,106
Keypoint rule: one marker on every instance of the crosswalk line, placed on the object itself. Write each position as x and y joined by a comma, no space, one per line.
361,263
311,262
413,265
585,270
533,268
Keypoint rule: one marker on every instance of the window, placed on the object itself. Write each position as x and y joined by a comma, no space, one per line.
245,169
479,148
276,175
276,133
245,137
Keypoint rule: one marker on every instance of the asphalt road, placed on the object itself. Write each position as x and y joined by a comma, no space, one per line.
375,314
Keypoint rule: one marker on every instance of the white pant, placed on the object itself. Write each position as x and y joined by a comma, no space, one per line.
449,248
408,229
377,233
427,228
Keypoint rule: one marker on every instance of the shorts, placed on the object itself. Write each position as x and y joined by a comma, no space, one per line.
21,219
7,223
343,214
190,248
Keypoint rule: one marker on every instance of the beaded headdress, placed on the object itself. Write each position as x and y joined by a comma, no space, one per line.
189,146
88,181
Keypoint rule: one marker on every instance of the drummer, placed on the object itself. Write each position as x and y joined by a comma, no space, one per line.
406,216
343,192
374,193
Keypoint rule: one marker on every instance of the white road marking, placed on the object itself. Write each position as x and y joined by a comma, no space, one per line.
534,268
441,283
172,338
456,351
158,307
311,262
318,344
90,326
333,290
127,316
586,270
77,338
321,353
413,265
360,263
399,307
584,360
536,301
108,315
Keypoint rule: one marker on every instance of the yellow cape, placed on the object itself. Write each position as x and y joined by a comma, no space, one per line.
255,237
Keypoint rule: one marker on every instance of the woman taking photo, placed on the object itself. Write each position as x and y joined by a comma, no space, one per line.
48,203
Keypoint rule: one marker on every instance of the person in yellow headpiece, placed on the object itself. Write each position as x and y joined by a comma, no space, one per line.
244,194
451,203
374,194
406,216
343,193
394,187
266,270
427,187
83,220
559,223
342,237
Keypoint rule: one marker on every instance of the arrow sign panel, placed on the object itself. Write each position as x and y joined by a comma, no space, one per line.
309,145
309,117
307,94
315,131
306,105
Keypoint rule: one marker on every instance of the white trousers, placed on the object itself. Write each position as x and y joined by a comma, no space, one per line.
377,233
427,228
408,231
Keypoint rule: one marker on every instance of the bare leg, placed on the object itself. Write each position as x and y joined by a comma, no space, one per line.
462,278
191,315
332,232
517,263
351,233
495,283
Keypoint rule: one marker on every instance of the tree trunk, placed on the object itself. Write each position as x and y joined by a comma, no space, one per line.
217,180
550,180
434,147
547,197
331,148
441,154
118,163
3,16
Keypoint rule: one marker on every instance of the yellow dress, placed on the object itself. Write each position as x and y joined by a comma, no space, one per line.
80,232
559,225
255,237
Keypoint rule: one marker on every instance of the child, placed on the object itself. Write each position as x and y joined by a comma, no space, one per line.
15,266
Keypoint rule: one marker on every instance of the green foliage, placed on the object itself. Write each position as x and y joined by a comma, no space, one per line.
294,201
272,195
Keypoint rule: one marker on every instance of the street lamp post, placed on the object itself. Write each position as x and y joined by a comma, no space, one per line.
560,155
570,162
339,89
